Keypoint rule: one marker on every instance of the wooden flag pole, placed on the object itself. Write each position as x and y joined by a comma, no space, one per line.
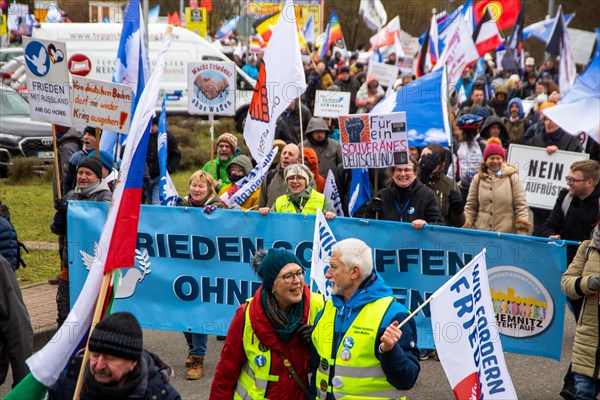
56,166
301,130
412,314
211,119
96,318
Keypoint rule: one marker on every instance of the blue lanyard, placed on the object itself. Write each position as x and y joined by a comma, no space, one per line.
403,208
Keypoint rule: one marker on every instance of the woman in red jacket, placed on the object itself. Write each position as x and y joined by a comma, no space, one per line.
268,343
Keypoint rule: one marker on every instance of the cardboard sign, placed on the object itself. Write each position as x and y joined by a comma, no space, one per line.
331,103
374,140
542,175
47,81
386,74
99,104
211,88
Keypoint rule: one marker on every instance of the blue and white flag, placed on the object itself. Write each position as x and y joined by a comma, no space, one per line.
153,14
360,189
558,44
376,57
323,240
132,66
242,189
227,28
332,193
424,101
167,193
543,29
309,30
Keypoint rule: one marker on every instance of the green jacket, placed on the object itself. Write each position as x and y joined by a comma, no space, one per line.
218,169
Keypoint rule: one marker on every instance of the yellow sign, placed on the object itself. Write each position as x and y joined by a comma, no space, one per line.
195,20
3,26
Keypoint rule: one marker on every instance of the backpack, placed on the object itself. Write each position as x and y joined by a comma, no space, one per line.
5,213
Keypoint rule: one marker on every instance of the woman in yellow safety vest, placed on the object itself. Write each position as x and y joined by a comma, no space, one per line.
266,351
300,197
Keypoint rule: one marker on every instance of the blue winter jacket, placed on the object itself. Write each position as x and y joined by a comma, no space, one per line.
401,364
9,247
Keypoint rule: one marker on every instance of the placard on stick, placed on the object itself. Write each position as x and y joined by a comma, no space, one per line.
211,88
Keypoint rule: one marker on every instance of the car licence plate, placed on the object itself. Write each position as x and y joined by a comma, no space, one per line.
45,155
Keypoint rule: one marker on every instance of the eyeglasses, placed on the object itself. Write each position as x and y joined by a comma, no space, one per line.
295,178
573,180
290,278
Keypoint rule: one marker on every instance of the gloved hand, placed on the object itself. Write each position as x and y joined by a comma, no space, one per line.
60,205
304,332
209,209
594,283
456,202
58,225
427,164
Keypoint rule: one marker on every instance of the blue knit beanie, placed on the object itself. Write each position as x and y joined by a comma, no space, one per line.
105,158
272,263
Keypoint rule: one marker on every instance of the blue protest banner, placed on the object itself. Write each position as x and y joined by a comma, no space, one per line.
193,269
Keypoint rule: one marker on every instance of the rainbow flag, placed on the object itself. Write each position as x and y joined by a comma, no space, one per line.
333,33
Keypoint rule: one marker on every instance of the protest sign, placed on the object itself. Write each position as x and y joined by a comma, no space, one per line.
47,81
190,263
104,105
386,74
542,175
374,140
211,88
331,103
405,64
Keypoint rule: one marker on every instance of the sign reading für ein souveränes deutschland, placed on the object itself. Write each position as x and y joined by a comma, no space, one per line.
99,104
542,175
374,140
211,88
331,104
47,81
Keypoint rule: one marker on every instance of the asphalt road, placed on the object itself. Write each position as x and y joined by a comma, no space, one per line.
533,377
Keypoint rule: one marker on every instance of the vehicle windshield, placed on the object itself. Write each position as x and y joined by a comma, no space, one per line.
11,103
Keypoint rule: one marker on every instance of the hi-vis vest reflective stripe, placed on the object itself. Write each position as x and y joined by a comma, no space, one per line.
358,373
315,202
254,377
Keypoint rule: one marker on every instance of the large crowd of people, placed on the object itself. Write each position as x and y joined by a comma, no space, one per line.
467,185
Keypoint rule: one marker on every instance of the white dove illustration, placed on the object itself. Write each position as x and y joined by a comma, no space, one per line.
39,61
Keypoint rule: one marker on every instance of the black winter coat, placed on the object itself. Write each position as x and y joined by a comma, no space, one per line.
173,155
422,204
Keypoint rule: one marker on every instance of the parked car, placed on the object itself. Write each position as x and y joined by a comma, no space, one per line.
8,53
19,135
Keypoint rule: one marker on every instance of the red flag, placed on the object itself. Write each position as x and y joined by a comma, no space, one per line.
486,35
505,12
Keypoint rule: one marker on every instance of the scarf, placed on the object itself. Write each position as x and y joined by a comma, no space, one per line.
553,138
92,389
300,199
200,203
285,323
87,190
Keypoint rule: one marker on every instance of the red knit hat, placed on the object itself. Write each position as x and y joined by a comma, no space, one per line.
494,146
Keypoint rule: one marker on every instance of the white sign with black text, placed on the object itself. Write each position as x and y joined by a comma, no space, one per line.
331,104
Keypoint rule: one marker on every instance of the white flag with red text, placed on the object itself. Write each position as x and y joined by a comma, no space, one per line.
472,358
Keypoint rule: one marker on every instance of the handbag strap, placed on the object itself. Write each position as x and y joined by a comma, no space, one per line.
293,372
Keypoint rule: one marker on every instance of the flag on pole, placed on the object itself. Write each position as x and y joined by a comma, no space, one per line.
241,190
434,52
309,30
459,53
505,12
323,240
227,28
543,29
153,14
373,13
167,192
513,57
558,44
115,250
464,302
360,190
333,33
428,114
333,194
277,86
423,63
486,35
132,66
462,12
385,37
579,110
325,44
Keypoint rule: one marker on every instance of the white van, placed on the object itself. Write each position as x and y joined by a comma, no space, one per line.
92,49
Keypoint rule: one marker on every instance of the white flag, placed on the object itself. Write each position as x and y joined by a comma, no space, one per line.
323,240
373,14
241,190
472,358
333,194
459,53
281,80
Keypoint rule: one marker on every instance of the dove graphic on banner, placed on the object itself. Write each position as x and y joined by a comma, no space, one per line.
323,240
333,194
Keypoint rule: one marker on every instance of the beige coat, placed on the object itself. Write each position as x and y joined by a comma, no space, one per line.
497,203
575,284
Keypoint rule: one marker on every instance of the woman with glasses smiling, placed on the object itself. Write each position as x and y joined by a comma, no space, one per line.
406,199
268,343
